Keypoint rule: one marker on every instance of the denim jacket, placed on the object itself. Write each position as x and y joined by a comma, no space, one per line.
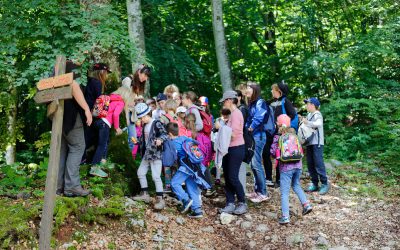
255,119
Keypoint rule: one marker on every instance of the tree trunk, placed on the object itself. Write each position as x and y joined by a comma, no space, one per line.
136,34
12,119
221,46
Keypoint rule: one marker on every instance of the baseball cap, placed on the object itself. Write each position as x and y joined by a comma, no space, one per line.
181,109
161,97
313,100
101,66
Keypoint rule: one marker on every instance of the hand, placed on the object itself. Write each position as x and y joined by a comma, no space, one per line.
250,129
158,142
118,131
217,125
305,121
89,118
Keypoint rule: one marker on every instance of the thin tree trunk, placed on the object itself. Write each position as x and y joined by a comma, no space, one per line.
221,46
12,116
136,34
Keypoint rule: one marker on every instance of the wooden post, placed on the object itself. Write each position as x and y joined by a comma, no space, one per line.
46,223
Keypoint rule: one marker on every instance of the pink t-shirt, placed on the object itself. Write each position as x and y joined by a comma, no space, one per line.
235,122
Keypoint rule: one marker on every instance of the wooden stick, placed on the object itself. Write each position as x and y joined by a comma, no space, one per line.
46,223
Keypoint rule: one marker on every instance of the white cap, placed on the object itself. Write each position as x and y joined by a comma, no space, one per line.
181,109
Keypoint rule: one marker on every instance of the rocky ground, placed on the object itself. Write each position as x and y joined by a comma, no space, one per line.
338,221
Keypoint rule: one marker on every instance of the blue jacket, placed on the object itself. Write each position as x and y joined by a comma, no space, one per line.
255,119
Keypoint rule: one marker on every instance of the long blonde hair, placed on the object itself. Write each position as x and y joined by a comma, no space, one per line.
126,94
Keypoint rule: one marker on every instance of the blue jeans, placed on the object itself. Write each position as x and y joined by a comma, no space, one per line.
193,191
316,165
103,132
289,179
256,163
131,133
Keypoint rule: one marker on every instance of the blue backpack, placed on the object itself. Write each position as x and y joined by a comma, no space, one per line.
295,121
269,120
169,154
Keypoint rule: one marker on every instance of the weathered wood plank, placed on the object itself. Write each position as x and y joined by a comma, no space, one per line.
46,223
54,82
50,95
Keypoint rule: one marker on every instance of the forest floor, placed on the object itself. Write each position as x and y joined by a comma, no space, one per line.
339,220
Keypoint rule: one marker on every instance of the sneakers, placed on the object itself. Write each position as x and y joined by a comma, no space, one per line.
209,192
217,182
241,208
229,208
260,198
324,189
269,183
196,214
186,206
97,171
284,220
312,188
251,195
160,203
76,192
143,196
307,209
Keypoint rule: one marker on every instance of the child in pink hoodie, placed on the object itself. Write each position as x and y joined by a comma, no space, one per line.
118,99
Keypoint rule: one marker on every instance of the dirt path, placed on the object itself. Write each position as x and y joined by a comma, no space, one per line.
338,221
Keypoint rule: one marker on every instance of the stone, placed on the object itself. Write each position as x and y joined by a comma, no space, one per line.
190,246
179,220
274,238
270,215
158,238
249,235
246,224
248,217
338,248
161,218
295,239
267,238
322,241
252,244
208,229
226,218
336,163
262,228
129,202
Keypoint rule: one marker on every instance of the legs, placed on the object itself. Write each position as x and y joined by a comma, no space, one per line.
256,164
297,187
231,164
286,179
141,172
266,155
242,175
193,191
156,167
315,164
103,132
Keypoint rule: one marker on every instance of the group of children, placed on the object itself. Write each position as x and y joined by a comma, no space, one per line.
174,134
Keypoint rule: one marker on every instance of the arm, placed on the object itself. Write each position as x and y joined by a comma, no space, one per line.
198,122
259,115
317,123
161,132
80,99
290,110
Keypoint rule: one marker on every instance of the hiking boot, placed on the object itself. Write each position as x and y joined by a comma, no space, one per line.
97,171
269,183
260,198
209,192
284,220
76,192
312,188
143,196
324,189
307,209
60,191
229,208
186,205
160,203
251,195
241,208
196,214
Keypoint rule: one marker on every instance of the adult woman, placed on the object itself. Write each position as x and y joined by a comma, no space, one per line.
279,92
140,78
255,124
233,159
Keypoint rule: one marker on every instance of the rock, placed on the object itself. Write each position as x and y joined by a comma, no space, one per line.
67,245
295,239
249,235
190,246
267,238
179,220
336,163
274,238
386,248
226,218
161,218
158,238
262,228
270,215
248,217
252,244
322,241
129,202
338,248
246,224
208,229
329,166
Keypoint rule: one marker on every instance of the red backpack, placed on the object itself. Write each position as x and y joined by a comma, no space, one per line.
100,108
207,122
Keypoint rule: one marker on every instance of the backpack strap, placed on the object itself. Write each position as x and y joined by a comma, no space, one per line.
283,105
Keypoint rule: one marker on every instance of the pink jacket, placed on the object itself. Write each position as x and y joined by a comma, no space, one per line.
114,110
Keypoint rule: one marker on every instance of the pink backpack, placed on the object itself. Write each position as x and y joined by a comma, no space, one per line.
289,148
205,146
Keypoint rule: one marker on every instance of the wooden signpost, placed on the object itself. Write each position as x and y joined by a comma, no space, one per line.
55,90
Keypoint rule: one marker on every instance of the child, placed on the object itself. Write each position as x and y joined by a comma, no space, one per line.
161,100
290,170
180,115
191,198
152,138
119,100
315,149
